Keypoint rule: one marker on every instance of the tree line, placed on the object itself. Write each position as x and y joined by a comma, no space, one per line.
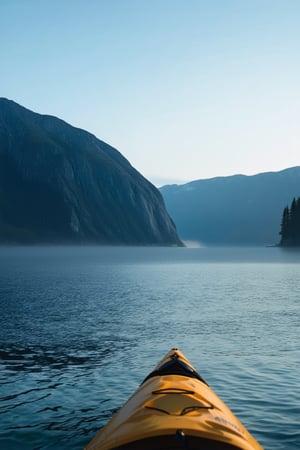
290,224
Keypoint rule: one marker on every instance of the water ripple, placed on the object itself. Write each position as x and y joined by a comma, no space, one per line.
78,335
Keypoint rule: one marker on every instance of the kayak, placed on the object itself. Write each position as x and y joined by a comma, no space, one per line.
174,408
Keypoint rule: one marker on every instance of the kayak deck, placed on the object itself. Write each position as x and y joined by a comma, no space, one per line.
174,408
176,443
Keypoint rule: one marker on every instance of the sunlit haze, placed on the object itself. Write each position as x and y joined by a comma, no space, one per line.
183,89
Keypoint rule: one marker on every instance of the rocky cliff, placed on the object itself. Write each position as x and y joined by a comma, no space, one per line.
61,184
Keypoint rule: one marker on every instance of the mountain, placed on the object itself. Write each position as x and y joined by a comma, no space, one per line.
234,210
60,184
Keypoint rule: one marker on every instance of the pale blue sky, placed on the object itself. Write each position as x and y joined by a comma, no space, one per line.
183,89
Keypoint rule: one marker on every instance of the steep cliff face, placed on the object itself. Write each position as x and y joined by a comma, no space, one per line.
61,184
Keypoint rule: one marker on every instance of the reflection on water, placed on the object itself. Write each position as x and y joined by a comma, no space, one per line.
81,328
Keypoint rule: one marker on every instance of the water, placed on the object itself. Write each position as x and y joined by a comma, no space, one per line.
81,327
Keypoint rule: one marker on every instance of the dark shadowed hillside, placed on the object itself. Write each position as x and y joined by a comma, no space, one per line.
61,184
235,210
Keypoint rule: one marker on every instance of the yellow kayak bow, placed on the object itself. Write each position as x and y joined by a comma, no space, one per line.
174,408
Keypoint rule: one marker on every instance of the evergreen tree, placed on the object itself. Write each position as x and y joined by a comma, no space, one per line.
290,224
293,224
285,224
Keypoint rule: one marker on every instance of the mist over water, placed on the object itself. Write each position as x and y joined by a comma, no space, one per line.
80,328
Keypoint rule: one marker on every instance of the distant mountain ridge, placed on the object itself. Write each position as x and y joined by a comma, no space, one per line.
61,184
233,210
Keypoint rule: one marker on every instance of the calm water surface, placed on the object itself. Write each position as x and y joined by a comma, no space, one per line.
81,327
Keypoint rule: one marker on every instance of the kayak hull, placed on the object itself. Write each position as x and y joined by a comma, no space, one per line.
174,408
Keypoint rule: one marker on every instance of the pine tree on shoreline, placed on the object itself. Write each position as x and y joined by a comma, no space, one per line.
290,224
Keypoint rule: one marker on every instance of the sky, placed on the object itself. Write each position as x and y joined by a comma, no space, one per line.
184,89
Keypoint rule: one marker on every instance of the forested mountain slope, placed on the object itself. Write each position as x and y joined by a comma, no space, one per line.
234,210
